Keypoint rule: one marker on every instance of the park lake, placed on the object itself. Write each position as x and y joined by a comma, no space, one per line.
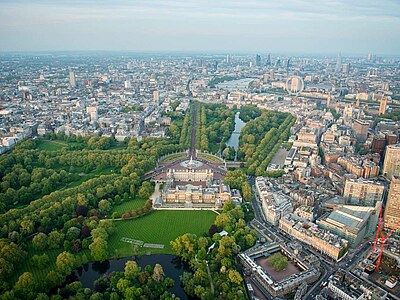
234,138
171,264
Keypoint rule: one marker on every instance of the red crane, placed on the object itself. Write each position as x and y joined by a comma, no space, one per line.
378,230
383,241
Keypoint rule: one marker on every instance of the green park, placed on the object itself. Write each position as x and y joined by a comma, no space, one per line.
68,200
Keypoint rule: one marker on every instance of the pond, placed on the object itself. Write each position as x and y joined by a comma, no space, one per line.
172,265
234,138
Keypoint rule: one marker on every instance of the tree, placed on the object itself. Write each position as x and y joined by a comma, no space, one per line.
55,239
278,261
40,261
104,206
39,241
235,179
99,233
27,227
25,286
246,190
234,277
54,279
12,253
6,268
132,270
98,249
213,230
73,233
65,262
158,273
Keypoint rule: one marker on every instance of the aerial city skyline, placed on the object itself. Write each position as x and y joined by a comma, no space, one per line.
229,150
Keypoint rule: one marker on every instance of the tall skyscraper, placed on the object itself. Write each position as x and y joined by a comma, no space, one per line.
338,67
382,106
156,97
391,165
328,101
345,69
392,210
287,65
268,62
258,60
72,82
215,65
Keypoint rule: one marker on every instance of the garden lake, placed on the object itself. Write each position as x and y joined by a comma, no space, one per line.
234,138
171,264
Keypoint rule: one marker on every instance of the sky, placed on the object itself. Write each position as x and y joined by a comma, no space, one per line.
221,26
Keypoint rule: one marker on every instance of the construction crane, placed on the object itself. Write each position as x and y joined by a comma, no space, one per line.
378,230
383,241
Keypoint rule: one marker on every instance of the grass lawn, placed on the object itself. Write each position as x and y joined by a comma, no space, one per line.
28,267
210,157
129,205
159,227
174,157
41,273
47,145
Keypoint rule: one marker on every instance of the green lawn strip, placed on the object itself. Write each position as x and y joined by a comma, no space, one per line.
41,273
159,227
209,157
173,157
129,205
28,266
47,145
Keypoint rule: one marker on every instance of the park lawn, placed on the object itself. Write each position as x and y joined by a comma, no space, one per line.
210,157
48,145
41,273
129,205
174,157
158,227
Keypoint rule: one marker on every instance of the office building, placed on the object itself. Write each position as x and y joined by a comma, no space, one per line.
272,287
338,67
363,192
392,210
127,84
258,60
352,223
344,285
361,130
345,69
156,97
275,204
309,233
268,63
72,82
382,106
328,101
391,165
92,111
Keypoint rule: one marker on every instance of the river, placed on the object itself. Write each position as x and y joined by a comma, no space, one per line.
238,84
234,138
171,264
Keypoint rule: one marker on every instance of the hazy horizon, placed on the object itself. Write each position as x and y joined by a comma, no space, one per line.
255,26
